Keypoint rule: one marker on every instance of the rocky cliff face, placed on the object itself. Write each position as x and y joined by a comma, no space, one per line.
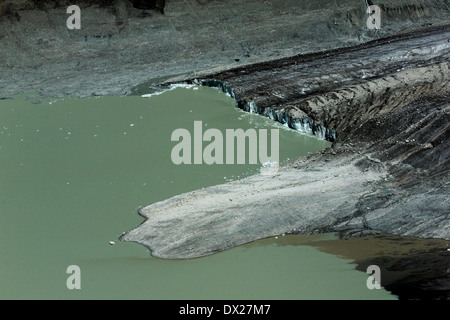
39,53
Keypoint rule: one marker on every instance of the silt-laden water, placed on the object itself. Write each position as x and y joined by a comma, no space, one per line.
73,173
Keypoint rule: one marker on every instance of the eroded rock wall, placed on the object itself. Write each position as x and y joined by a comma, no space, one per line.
120,46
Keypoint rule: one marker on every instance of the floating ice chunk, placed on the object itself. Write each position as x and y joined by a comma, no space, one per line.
270,164
269,168
171,87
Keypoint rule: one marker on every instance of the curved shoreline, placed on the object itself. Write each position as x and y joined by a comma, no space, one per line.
373,179
378,153
386,100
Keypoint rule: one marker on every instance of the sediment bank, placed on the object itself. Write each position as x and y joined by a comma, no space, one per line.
383,150
387,170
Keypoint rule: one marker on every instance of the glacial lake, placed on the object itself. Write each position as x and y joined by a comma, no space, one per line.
74,171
